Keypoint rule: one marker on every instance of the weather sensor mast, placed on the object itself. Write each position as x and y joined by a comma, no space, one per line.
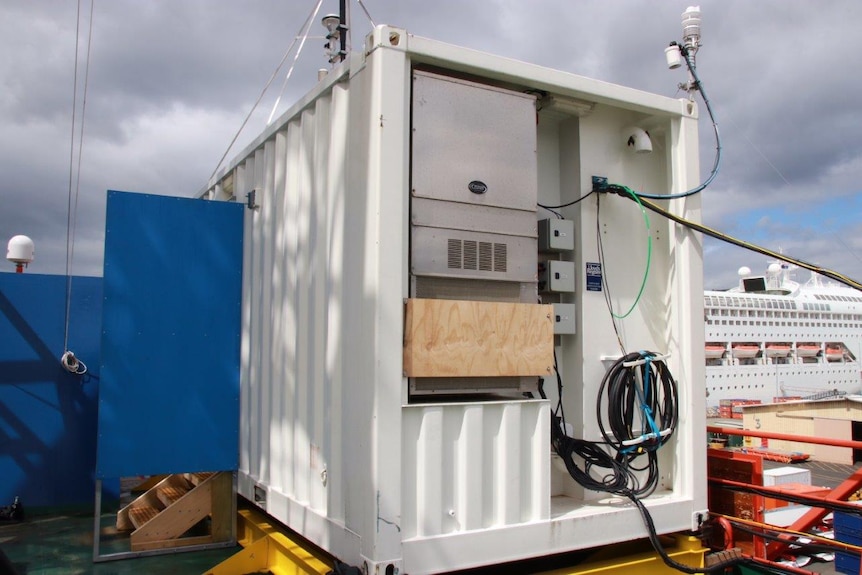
687,50
337,27
20,251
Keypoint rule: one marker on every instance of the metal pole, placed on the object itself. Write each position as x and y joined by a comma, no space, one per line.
97,520
342,28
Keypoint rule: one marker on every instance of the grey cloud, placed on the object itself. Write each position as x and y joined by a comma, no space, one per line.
171,81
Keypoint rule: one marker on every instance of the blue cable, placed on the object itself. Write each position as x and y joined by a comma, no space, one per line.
717,162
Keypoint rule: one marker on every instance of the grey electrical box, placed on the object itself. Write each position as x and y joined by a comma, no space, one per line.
564,319
557,277
556,235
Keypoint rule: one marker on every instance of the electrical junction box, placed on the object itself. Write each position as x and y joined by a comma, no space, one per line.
558,277
564,319
556,235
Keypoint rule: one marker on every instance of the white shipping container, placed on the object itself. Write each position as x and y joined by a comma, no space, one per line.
785,475
374,189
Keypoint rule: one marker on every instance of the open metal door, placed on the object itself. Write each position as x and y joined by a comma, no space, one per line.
169,389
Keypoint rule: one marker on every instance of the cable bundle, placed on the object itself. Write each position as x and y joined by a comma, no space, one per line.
641,414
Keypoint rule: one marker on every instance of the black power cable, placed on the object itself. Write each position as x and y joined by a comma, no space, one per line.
825,272
639,387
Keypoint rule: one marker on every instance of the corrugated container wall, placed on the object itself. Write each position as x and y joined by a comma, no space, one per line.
412,171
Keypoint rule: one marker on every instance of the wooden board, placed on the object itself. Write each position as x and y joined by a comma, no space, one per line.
452,338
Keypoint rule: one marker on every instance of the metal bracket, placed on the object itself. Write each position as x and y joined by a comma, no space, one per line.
698,518
599,182
250,200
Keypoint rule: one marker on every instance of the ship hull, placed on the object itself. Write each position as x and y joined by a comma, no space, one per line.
779,382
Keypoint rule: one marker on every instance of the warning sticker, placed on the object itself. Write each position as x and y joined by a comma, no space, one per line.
594,276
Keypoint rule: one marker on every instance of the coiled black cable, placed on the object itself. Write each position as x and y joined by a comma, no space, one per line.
646,387
642,412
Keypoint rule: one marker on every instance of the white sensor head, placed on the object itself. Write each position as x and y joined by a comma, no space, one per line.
744,271
691,27
637,139
673,56
20,250
331,22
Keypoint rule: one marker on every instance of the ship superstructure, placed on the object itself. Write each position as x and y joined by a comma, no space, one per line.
771,339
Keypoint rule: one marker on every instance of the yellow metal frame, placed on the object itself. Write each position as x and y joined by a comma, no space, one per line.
267,548
629,559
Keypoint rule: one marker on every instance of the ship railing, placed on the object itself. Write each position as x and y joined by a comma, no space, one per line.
737,503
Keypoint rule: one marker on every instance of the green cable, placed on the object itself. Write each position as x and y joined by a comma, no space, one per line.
649,253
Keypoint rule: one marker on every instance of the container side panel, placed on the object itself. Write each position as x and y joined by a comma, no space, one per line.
267,208
304,415
245,418
290,390
335,224
252,172
474,466
261,357
318,304
357,387
279,274
291,331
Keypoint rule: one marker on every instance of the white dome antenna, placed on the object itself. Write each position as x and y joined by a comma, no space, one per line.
20,251
637,139
744,271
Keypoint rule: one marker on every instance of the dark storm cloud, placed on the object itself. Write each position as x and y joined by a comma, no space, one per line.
171,81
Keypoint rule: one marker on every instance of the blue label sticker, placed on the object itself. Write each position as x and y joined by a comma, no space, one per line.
594,276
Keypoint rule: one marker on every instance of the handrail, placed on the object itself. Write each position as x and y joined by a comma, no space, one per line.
837,497
785,436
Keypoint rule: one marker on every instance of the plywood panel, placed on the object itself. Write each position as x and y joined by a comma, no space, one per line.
449,338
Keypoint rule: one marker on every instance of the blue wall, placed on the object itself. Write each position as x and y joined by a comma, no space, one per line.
47,415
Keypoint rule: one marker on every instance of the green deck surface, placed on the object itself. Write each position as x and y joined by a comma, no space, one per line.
60,544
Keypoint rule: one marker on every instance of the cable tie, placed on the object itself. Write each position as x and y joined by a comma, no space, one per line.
647,437
637,362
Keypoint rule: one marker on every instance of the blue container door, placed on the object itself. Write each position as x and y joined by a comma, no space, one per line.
169,390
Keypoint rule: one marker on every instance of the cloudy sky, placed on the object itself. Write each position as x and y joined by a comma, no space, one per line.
170,81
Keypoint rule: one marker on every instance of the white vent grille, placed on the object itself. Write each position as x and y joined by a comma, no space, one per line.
473,255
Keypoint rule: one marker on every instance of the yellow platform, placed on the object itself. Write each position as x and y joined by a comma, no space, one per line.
269,547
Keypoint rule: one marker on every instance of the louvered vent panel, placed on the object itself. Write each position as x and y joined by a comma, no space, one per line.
473,255
470,255
454,254
485,262
500,258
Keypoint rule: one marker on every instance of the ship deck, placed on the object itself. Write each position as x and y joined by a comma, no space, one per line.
60,542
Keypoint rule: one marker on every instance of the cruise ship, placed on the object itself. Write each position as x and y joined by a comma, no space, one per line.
773,339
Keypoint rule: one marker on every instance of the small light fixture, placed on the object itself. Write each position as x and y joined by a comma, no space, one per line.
250,200
637,139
